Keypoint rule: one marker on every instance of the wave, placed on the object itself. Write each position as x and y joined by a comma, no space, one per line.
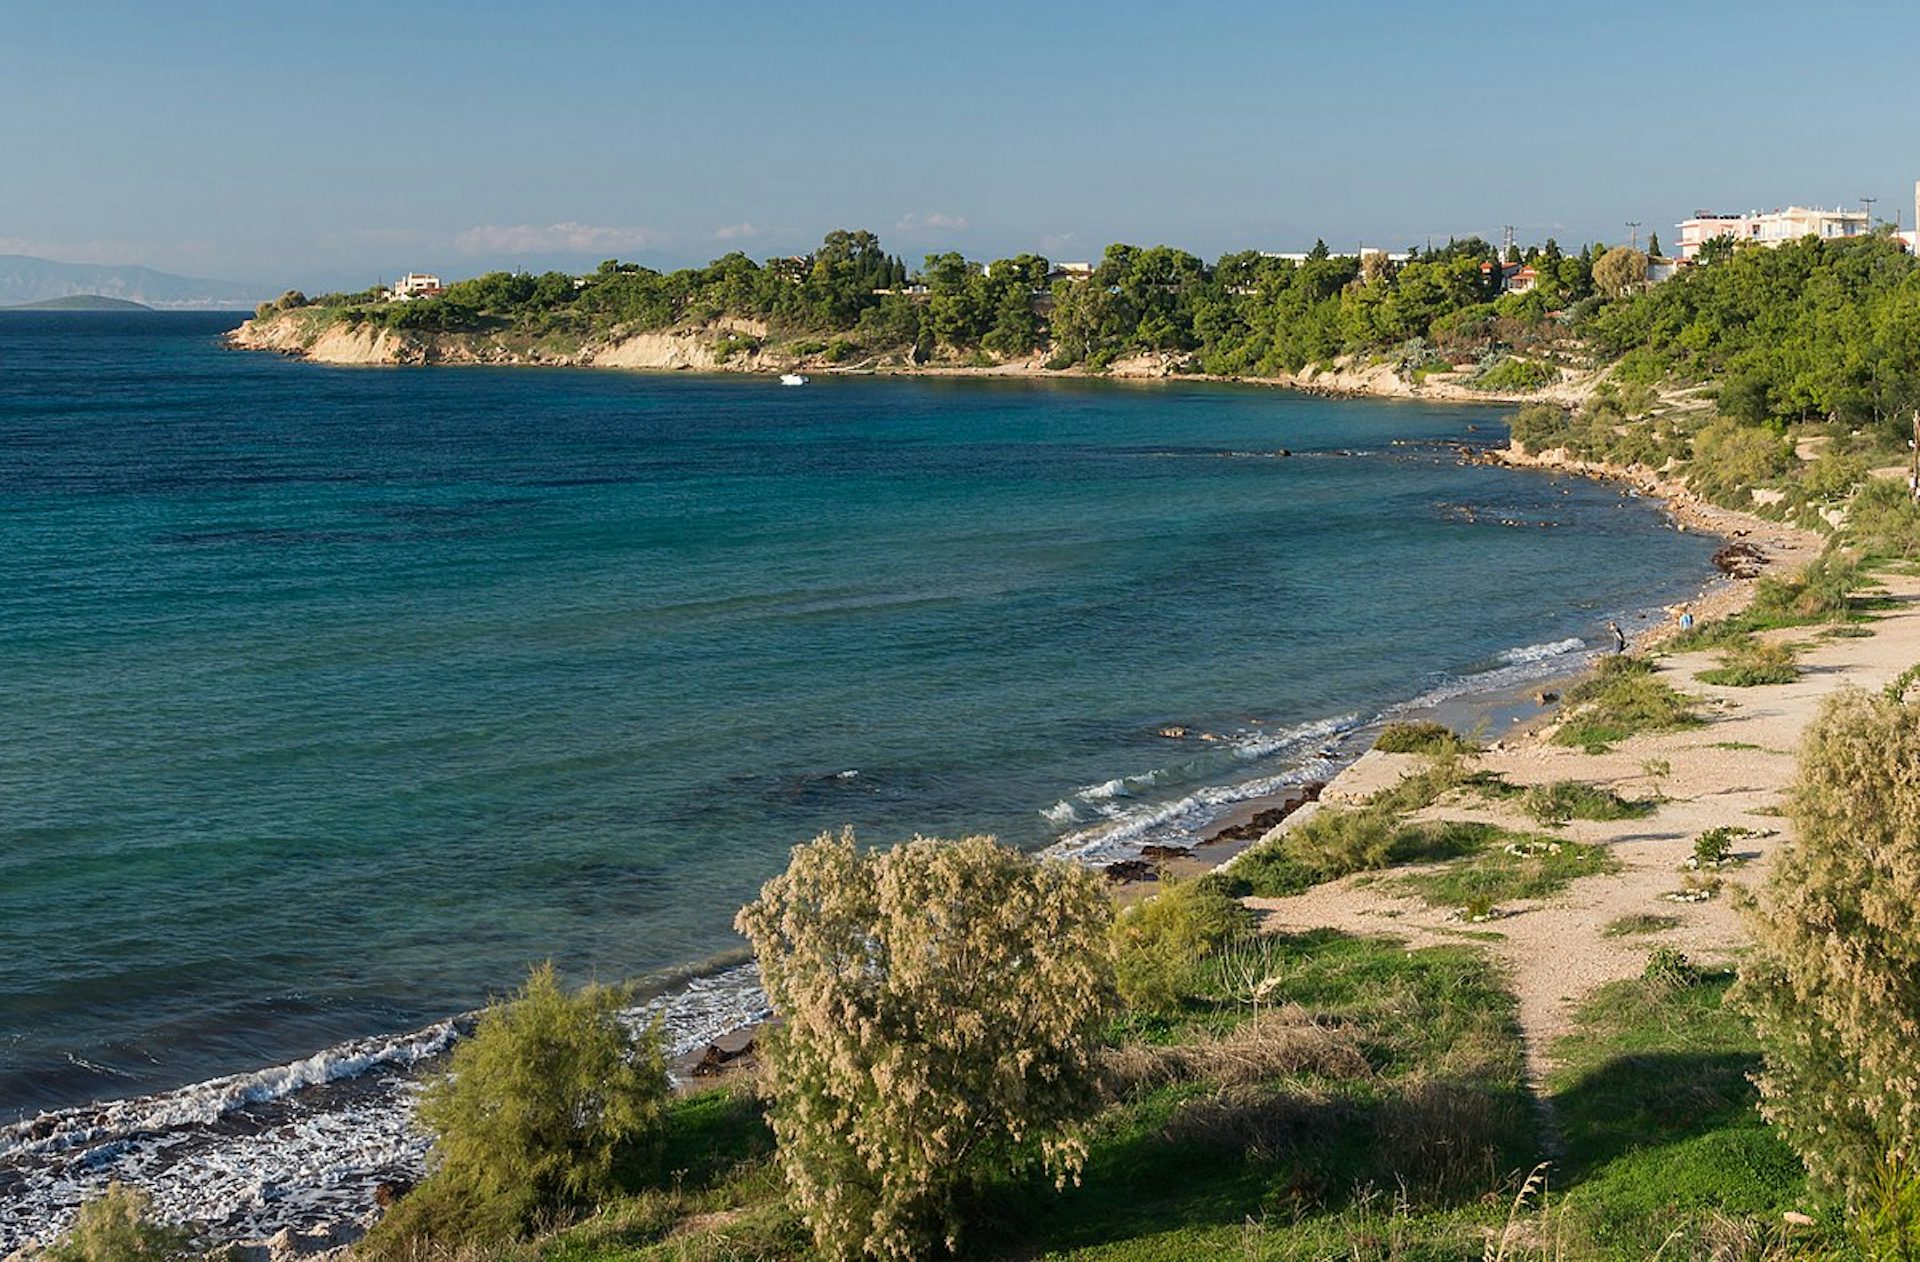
1122,825
1540,652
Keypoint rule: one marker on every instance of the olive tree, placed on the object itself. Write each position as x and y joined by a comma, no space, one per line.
1833,981
941,1005
1619,272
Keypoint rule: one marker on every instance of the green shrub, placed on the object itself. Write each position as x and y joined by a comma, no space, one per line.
1621,698
942,1007
1752,665
1158,942
1420,738
1541,427
1833,981
1821,592
1556,803
1514,376
1715,846
1730,460
117,1226
1339,841
1884,521
550,1106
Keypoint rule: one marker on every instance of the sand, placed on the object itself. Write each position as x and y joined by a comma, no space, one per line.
1736,771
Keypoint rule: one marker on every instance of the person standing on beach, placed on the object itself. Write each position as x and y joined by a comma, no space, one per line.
1619,637
1686,617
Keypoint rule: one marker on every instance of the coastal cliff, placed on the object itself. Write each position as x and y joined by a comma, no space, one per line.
737,345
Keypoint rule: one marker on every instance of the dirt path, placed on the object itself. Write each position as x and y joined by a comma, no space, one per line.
1733,772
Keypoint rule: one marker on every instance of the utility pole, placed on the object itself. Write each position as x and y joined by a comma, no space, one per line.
1913,487
1633,227
1866,204
1506,241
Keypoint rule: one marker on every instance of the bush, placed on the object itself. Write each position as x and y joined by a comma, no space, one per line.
1157,942
1622,697
1884,521
1420,738
117,1226
1541,427
551,1105
943,1004
1338,842
1515,376
1730,460
1833,981
1822,591
1752,665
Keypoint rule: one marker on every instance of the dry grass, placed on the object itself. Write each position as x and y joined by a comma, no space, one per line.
1283,1042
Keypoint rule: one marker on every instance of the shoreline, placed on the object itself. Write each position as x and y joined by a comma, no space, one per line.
262,1195
691,351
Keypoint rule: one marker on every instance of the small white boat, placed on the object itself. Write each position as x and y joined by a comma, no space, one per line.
792,379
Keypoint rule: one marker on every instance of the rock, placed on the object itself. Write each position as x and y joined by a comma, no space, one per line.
1545,697
1175,733
1131,870
1740,560
387,1191
1264,822
723,1052
1159,853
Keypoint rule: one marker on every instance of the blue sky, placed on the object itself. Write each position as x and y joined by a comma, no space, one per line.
336,143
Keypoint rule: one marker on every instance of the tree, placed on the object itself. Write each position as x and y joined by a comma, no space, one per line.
1319,253
1833,981
941,1007
1653,245
1620,272
551,1104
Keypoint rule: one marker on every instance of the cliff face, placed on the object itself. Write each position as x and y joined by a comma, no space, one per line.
303,333
298,333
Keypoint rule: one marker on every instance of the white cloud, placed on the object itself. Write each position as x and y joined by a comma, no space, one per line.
934,220
735,232
535,239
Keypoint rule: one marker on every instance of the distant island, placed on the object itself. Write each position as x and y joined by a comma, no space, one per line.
80,302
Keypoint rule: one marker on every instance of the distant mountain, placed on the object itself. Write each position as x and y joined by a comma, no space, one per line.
25,279
80,302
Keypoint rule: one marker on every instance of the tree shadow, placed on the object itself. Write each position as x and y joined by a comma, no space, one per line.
1652,1099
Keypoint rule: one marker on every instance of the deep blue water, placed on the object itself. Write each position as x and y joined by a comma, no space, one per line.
333,697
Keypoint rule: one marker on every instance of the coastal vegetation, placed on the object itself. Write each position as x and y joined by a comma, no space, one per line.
942,1005
1833,982
1622,697
552,1105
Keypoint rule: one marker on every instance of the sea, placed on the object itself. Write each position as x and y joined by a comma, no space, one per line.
333,698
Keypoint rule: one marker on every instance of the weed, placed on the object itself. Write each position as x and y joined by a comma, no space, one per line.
1554,804
1640,923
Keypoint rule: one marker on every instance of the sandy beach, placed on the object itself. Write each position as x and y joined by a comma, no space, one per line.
1733,772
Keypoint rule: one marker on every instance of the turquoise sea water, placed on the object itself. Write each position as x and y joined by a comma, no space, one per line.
333,697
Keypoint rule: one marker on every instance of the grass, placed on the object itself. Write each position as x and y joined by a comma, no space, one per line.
1227,1135
1621,699
1752,665
1421,738
1554,804
1662,1133
1642,923
1337,842
1509,866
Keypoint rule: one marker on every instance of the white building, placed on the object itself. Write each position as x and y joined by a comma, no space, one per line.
1769,228
415,285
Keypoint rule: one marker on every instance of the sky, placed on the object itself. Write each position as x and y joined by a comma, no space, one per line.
332,145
